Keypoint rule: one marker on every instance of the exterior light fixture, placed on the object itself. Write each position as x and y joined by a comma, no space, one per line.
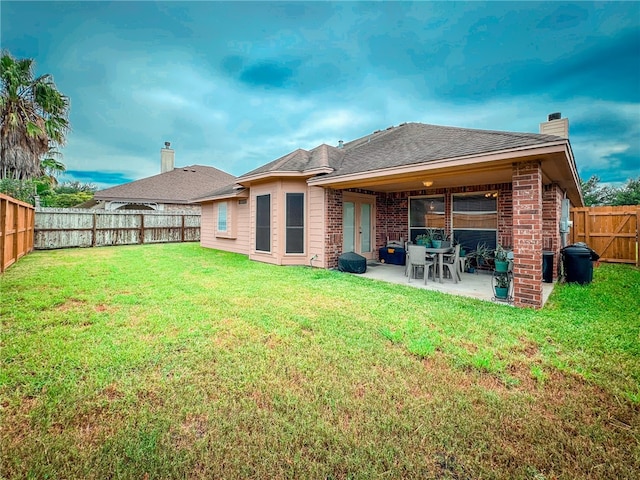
427,183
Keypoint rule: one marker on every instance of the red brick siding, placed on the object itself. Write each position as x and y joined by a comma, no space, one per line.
527,233
392,219
551,211
333,234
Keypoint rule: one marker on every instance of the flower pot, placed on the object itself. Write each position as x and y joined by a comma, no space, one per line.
436,243
502,292
502,266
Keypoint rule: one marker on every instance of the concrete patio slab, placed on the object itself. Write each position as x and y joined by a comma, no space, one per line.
473,285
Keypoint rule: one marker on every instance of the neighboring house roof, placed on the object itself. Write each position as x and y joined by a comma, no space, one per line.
180,185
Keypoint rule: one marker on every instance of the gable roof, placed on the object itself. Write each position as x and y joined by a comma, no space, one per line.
407,146
416,143
179,185
322,159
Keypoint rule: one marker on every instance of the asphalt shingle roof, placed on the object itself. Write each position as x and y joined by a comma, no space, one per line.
413,143
177,186
404,145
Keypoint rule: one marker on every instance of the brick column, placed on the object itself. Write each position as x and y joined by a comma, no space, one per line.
551,212
333,233
527,233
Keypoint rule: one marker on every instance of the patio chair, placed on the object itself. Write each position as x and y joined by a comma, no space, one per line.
416,258
451,262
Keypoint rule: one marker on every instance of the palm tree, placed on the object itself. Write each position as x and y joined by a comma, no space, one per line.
51,168
34,118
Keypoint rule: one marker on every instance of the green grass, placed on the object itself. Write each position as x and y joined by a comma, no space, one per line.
174,361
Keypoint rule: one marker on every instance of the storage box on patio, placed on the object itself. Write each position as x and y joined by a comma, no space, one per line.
393,255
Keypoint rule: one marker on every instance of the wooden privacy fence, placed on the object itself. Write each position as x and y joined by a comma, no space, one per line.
16,230
611,231
73,227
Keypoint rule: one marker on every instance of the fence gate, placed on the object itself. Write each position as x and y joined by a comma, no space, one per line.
611,231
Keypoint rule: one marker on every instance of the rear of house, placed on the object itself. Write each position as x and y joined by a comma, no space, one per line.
477,186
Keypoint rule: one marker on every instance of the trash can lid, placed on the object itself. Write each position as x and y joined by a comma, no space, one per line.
581,249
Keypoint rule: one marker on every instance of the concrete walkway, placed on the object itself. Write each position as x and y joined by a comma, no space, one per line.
474,285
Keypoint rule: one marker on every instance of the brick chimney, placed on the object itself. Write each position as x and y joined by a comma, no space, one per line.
167,158
555,125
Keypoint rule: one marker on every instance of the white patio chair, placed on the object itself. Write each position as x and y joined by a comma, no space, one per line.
416,258
451,262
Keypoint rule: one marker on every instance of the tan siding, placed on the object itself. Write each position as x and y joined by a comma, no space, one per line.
316,225
556,127
207,225
238,215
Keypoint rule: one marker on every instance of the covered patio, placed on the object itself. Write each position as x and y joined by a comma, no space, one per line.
479,189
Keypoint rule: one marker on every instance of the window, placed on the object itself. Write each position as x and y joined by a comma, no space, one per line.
263,223
295,223
424,213
475,219
222,216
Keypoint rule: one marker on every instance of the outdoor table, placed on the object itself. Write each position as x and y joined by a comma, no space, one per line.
440,252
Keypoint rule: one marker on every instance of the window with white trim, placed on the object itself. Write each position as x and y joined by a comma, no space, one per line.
222,217
263,223
475,219
295,223
426,213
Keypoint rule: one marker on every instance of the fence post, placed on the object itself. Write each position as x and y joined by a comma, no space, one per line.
637,235
141,240
16,225
3,230
182,231
93,229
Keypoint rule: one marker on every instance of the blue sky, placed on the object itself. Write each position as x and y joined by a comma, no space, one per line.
236,84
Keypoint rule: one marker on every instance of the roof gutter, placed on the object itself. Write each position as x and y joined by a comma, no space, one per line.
239,193
248,179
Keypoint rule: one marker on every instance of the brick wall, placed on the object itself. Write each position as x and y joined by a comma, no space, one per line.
527,233
333,233
392,219
551,212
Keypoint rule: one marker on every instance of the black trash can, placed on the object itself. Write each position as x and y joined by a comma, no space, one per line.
578,263
547,267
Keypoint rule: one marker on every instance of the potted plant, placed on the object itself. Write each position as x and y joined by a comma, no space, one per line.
501,285
436,240
500,259
424,239
480,255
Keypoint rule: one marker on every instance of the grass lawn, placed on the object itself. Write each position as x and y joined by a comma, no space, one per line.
175,361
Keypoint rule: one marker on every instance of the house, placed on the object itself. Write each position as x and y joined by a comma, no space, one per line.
309,207
171,190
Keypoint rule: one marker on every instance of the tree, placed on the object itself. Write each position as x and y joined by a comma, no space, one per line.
34,118
594,194
629,194
67,194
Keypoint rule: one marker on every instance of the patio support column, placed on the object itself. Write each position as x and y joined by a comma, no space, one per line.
551,212
527,234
